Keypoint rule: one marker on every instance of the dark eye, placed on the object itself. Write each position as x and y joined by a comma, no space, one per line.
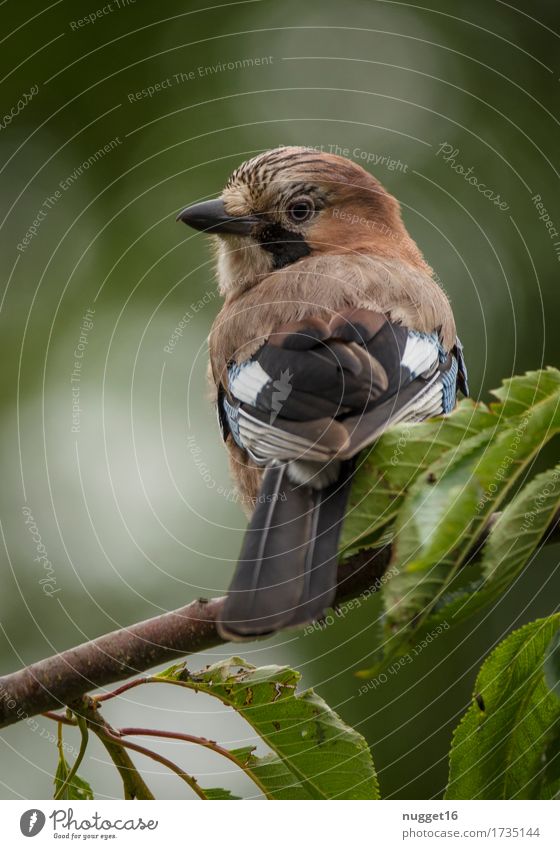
301,210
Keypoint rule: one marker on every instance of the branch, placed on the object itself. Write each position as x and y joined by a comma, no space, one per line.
63,678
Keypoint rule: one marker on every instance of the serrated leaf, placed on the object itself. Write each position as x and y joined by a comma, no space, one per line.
387,470
270,773
448,506
218,793
517,394
506,746
390,467
316,755
509,547
273,774
521,527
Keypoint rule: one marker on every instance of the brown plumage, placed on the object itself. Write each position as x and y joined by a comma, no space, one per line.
310,240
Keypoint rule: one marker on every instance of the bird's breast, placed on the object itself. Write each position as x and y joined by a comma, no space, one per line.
323,287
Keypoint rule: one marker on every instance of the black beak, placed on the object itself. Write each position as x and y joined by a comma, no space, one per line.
211,217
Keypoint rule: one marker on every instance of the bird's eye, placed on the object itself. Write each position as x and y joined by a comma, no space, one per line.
301,210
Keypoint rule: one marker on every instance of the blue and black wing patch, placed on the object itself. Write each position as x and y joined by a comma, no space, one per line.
317,391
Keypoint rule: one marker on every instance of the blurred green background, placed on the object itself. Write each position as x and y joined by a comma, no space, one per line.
130,492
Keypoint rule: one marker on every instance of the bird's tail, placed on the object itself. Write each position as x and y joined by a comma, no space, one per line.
286,573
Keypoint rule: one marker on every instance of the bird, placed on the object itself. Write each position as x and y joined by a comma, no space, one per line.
332,329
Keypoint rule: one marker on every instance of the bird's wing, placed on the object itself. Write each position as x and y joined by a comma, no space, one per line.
317,391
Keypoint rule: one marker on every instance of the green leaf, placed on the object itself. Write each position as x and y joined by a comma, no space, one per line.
448,506
77,788
517,394
316,755
507,745
272,774
552,665
218,793
388,469
510,546
521,527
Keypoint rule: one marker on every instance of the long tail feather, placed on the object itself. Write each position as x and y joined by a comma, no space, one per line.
286,574
322,554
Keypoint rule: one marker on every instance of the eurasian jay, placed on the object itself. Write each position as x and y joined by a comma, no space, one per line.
332,329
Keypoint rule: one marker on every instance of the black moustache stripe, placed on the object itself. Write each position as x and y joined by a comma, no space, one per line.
284,245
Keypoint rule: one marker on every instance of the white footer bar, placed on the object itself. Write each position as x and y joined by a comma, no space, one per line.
386,824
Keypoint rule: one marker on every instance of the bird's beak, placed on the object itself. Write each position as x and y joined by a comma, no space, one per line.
211,217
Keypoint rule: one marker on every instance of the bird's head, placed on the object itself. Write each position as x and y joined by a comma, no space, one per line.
293,202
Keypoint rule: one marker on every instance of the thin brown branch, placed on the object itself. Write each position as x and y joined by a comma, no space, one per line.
198,741
87,710
155,756
130,685
61,679
58,680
